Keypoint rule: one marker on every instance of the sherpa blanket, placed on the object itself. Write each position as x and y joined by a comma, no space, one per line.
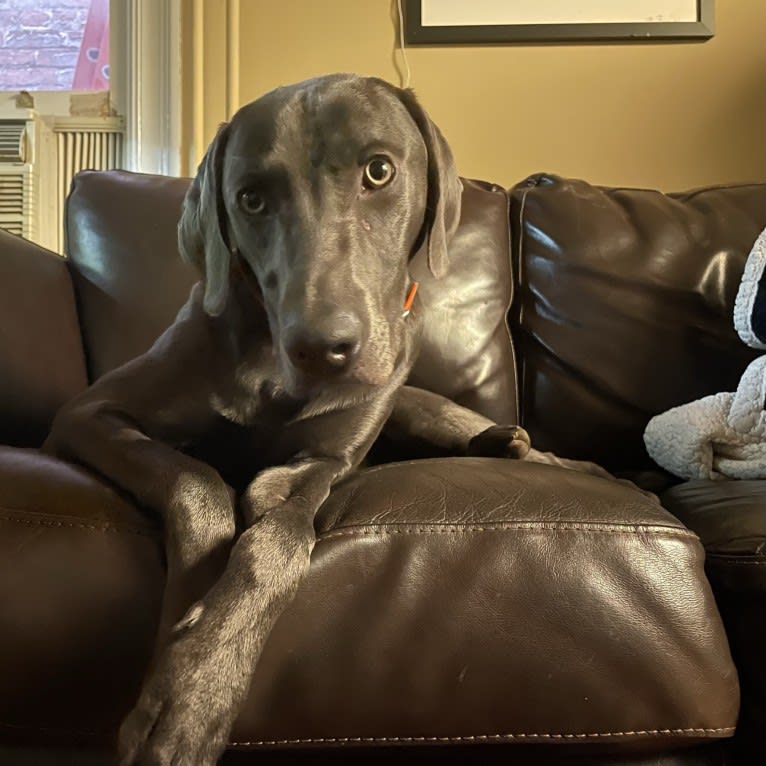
719,436
724,435
750,305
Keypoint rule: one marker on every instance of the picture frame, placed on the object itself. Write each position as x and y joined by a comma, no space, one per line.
496,21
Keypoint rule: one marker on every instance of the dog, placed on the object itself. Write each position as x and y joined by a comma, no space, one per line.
288,360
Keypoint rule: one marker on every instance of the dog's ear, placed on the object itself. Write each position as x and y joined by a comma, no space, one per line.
444,187
202,229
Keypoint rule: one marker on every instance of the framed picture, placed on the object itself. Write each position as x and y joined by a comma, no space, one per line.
439,22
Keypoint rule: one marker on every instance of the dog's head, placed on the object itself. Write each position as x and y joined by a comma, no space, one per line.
326,189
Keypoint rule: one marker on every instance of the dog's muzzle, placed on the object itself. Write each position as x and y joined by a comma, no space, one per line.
324,348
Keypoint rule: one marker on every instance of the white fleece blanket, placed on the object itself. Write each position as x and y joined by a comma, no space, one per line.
748,294
719,436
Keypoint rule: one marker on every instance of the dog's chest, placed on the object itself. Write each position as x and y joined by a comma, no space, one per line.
250,415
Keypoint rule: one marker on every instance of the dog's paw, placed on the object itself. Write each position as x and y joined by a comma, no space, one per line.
501,441
186,709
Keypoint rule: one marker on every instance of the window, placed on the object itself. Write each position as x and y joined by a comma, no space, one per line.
98,58
54,45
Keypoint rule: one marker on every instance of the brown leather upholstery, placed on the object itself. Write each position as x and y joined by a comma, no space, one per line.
128,275
624,307
81,574
130,283
491,652
730,518
466,352
475,600
41,360
459,601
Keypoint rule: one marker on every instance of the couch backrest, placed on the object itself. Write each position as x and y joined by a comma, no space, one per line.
130,282
128,276
41,358
624,307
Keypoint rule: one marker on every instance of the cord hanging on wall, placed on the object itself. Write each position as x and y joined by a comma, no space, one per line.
404,76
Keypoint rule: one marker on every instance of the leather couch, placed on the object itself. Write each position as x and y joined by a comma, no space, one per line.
456,608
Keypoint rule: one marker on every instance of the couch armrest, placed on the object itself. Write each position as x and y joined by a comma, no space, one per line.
41,355
81,578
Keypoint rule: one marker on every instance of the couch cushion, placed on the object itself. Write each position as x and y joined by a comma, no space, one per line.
454,600
129,278
130,282
730,518
487,600
624,307
41,357
466,354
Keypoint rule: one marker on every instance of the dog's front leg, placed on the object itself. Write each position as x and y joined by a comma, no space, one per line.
196,505
431,420
190,702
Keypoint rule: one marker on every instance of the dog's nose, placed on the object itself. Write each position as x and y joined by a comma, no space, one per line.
325,347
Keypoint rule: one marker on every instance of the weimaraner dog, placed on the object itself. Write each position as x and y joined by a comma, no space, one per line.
285,364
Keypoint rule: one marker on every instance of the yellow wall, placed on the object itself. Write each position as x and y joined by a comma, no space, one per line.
670,116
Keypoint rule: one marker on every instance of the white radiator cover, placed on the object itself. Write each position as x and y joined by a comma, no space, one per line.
18,185
16,200
39,157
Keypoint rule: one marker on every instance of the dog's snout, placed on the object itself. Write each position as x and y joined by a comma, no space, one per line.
325,347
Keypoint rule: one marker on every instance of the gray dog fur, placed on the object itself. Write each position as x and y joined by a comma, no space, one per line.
279,373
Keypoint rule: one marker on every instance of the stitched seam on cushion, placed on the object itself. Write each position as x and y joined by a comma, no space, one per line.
458,738
489,737
105,527
415,529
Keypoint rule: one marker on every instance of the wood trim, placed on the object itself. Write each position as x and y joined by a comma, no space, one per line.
145,39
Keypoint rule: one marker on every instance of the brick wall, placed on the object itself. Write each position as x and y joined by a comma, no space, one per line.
39,43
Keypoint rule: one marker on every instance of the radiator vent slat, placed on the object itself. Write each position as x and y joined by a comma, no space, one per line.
12,194
16,186
12,144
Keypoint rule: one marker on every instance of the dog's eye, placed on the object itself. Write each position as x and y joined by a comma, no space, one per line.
378,172
252,202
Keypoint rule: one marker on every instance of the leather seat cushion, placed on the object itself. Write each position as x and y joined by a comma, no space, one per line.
730,520
448,601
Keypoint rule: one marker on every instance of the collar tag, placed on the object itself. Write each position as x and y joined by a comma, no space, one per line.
410,299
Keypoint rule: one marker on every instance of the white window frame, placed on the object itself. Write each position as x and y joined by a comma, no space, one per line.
145,81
